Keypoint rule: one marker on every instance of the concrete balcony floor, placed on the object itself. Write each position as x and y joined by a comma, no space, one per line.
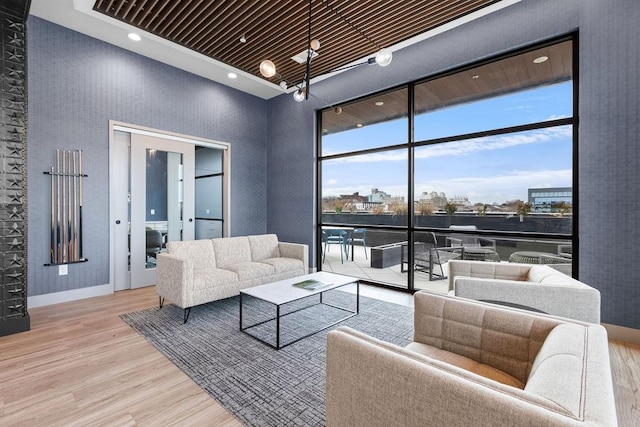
361,267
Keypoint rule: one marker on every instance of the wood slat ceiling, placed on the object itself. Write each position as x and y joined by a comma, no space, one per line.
501,77
277,30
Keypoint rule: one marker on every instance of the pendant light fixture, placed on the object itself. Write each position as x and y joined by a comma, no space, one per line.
268,69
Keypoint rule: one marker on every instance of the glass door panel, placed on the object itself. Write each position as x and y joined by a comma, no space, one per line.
162,201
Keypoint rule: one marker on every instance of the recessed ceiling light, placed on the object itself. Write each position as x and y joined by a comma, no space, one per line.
540,59
379,103
135,37
359,125
232,75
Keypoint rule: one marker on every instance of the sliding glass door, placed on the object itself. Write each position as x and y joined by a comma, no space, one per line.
162,201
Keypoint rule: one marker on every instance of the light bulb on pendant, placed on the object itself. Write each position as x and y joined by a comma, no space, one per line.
298,95
315,44
267,68
384,57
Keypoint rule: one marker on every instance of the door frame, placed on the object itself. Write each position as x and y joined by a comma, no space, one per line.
115,171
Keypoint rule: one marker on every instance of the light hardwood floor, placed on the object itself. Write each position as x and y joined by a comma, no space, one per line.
80,365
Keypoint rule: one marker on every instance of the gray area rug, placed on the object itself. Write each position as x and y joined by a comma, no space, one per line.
262,386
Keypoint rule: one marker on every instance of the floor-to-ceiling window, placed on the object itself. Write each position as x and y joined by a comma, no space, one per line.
476,163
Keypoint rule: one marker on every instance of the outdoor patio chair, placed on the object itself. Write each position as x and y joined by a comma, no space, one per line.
565,250
335,236
358,236
468,240
429,258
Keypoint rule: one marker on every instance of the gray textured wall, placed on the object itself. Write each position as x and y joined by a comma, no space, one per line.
609,184
76,84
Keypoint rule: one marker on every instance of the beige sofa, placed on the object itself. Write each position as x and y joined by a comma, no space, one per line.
199,271
539,287
472,364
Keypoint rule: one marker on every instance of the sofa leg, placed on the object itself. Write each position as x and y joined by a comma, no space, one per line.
186,314
160,301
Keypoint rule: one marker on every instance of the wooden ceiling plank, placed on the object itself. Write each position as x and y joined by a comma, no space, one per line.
99,5
421,13
139,8
406,30
224,24
132,4
120,4
225,43
191,10
351,12
267,28
141,14
175,15
167,16
197,23
153,14
283,52
230,51
201,34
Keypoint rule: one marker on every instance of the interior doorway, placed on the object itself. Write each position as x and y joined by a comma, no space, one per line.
163,187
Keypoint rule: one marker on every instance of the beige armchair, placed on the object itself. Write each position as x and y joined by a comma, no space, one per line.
537,287
472,364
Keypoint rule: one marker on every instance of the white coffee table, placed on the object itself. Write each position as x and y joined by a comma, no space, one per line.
283,292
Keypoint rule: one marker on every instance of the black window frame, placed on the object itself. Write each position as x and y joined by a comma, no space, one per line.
410,227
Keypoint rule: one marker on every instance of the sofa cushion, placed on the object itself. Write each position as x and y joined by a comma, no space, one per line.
281,265
200,252
465,363
208,277
251,270
264,247
231,250
559,368
486,270
546,275
505,339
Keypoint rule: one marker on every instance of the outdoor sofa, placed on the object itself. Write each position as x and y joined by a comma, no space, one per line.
195,272
472,364
531,286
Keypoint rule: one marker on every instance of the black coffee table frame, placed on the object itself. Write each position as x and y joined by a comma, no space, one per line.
279,316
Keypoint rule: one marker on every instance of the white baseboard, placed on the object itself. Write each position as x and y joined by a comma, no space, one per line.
66,296
622,333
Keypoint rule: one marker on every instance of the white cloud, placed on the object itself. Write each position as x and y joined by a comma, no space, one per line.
462,148
501,188
490,143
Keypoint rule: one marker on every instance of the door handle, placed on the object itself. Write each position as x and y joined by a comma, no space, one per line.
190,219
117,221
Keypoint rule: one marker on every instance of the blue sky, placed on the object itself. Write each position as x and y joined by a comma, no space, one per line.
487,170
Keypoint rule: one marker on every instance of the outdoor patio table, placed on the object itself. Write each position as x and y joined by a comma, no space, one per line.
532,257
480,254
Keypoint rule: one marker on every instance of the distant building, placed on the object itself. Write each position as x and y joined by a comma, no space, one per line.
378,196
544,199
435,199
462,201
